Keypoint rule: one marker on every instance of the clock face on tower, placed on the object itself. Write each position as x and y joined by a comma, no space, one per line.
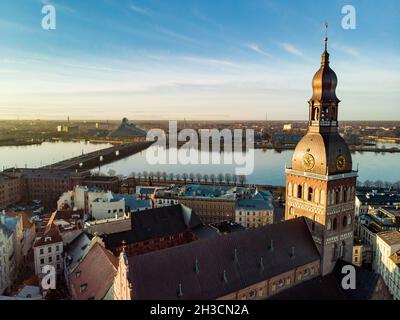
340,162
308,161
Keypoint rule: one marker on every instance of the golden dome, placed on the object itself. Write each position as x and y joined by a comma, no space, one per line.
322,154
324,82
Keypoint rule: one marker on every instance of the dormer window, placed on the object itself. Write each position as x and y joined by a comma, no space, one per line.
78,274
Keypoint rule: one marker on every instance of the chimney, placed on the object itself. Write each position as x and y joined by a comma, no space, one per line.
180,291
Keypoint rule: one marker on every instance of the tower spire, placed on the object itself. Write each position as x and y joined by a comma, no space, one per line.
326,35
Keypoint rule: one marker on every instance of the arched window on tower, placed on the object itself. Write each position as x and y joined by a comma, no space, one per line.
310,194
342,249
344,222
345,194
334,224
349,220
337,196
300,191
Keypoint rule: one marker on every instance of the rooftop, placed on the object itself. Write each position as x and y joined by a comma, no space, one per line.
212,268
390,237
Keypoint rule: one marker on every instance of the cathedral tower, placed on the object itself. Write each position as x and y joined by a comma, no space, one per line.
320,184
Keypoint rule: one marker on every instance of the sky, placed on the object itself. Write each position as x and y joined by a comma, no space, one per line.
195,59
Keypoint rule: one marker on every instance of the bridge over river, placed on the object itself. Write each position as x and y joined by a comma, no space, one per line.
101,157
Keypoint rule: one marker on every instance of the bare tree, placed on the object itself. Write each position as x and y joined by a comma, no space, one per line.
378,184
212,177
132,174
185,176
368,183
171,176
158,175
178,176
206,177
242,179
234,178
111,172
145,175
164,175
139,175
151,175
228,178
220,177
198,177
191,177
387,185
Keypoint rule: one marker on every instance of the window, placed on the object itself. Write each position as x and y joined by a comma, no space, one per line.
58,257
329,224
42,261
299,192
344,221
41,251
50,259
310,194
334,226
58,266
57,248
49,249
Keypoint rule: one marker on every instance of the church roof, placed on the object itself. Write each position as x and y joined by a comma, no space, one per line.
214,267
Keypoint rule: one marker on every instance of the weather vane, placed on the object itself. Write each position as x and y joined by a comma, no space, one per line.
326,34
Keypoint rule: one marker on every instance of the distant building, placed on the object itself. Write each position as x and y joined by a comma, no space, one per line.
10,190
287,127
212,203
387,262
68,129
286,139
128,131
255,212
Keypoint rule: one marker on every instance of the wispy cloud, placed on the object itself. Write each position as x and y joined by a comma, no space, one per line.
212,62
346,49
289,48
177,36
256,48
140,10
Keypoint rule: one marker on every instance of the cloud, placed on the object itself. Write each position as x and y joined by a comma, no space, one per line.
289,48
213,62
346,49
140,10
255,47
58,6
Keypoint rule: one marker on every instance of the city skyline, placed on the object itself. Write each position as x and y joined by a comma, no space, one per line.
152,60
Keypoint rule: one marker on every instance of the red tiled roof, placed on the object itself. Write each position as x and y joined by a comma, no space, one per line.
94,275
50,235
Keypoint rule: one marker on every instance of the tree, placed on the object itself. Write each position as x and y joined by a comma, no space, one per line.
145,175
228,178
178,176
378,184
205,177
368,183
164,175
111,172
151,175
242,179
139,175
234,178
158,175
388,185
171,176
132,174
185,176
212,177
191,177
220,177
198,177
